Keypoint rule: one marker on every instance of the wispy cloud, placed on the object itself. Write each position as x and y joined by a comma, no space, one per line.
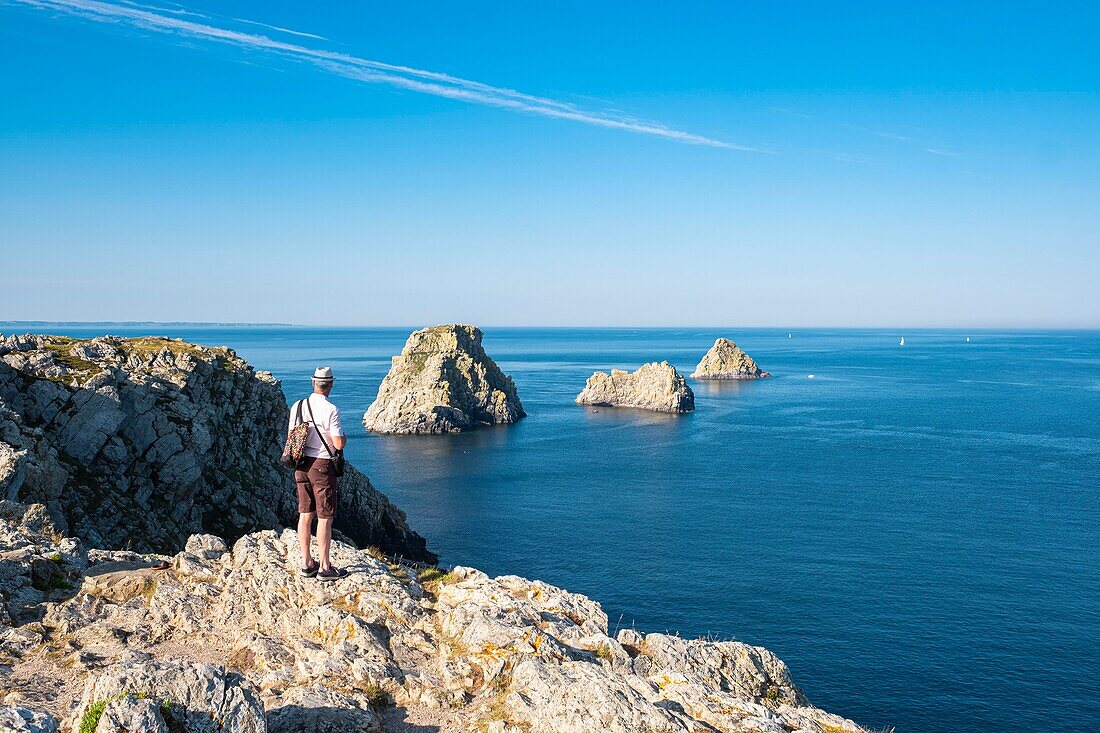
281,30
170,21
881,133
874,132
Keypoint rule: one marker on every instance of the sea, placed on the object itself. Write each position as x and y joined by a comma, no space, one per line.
914,529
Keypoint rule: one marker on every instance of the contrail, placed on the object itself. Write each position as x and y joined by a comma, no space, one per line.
367,70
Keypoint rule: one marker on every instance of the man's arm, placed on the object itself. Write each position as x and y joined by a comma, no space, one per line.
336,432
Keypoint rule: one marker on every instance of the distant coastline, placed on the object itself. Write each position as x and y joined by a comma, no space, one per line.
141,324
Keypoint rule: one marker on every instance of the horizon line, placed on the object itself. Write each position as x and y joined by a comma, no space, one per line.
276,324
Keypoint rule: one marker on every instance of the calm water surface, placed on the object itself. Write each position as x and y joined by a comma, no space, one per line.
915,530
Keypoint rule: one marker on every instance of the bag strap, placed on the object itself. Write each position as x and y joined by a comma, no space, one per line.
331,452
298,416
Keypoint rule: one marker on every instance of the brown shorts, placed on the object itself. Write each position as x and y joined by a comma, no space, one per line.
316,482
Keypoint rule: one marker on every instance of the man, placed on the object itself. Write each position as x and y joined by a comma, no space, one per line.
315,478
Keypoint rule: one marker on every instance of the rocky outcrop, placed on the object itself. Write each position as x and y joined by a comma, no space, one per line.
140,693
655,386
227,629
443,382
15,719
726,360
142,442
34,561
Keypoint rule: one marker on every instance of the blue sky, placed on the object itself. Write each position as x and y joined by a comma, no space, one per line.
763,164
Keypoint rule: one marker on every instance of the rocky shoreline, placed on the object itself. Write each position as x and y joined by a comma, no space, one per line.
233,633
180,629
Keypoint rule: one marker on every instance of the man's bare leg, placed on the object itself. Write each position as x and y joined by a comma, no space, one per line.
305,530
324,539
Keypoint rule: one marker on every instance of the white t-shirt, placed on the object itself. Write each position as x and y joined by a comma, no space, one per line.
326,417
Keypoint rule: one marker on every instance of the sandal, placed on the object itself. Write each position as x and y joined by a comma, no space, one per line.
332,574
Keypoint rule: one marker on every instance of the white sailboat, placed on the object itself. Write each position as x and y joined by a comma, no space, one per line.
967,339
902,341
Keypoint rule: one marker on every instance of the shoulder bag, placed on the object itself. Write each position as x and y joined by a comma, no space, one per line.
337,455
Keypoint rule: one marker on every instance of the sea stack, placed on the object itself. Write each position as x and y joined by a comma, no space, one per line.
655,386
726,360
443,382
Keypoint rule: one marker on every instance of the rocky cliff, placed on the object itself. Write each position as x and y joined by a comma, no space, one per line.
143,442
726,360
443,382
655,386
232,638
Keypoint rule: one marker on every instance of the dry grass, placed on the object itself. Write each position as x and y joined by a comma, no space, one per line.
150,345
432,578
376,695
61,348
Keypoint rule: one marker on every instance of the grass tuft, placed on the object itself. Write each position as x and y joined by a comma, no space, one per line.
90,720
435,577
376,695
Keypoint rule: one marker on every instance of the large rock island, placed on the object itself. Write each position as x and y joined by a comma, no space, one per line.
143,442
231,638
655,386
443,382
726,360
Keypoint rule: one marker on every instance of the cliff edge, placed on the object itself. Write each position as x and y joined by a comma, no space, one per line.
142,442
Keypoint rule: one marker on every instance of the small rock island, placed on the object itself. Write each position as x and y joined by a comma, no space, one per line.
656,386
443,382
726,360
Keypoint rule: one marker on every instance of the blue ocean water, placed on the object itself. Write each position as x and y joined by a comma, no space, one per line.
915,530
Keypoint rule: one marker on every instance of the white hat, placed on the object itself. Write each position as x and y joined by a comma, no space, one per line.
323,374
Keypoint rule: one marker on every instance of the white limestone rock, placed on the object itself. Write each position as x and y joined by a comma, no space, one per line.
15,719
206,546
132,713
573,697
656,386
199,698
